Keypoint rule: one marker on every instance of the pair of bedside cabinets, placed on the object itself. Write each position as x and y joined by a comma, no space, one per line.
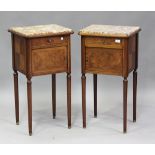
46,49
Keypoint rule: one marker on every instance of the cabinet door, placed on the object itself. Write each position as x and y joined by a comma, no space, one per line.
104,61
49,60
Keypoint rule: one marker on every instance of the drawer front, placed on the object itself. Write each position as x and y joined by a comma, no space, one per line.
49,42
104,61
103,42
49,60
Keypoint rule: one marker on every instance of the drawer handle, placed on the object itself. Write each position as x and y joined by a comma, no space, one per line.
62,38
49,40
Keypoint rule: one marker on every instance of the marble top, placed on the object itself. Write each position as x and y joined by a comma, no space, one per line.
109,30
40,30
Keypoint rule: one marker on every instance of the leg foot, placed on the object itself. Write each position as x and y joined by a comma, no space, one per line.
17,123
30,134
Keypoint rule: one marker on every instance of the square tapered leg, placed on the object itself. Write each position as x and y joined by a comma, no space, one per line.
125,87
69,99
29,98
54,95
83,78
16,96
95,94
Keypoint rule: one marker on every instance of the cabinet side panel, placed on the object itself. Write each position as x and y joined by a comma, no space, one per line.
20,53
83,54
131,53
125,57
69,54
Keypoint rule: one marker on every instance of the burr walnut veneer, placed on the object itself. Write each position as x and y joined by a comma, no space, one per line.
41,50
111,50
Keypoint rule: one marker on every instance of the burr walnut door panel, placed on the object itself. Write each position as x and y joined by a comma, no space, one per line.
104,61
49,60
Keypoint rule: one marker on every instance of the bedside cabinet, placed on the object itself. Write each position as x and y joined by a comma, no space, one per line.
41,50
109,50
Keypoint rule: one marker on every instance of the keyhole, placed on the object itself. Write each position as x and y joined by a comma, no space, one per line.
50,40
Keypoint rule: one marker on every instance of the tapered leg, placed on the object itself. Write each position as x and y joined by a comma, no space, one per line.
95,94
69,99
16,96
125,87
83,78
54,95
134,94
29,97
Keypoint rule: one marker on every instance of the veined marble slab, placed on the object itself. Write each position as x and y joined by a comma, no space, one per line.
40,30
109,30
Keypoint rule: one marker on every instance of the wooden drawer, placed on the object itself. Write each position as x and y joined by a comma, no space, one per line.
49,60
104,61
103,42
49,42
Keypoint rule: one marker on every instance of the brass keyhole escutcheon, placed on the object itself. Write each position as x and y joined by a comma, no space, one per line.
50,40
